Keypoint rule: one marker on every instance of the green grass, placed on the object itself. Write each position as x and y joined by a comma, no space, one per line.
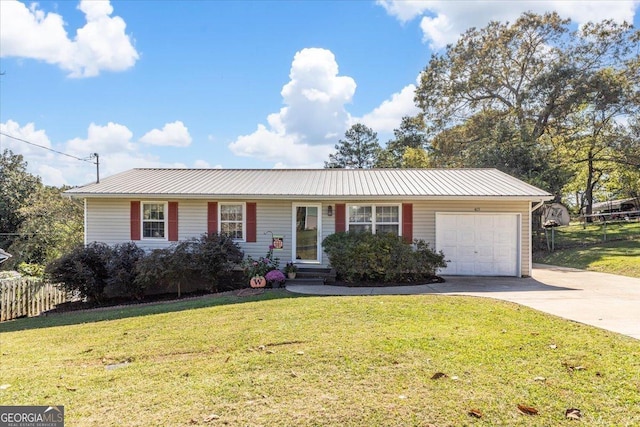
321,361
586,249
619,257
575,234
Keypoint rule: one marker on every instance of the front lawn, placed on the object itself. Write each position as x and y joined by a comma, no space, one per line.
330,361
614,249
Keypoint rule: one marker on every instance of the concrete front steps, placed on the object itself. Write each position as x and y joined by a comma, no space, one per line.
313,276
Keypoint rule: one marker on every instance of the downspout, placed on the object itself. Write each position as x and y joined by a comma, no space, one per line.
85,221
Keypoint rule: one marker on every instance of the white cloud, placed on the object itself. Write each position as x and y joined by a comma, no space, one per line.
284,150
102,44
304,131
173,134
113,142
28,133
118,152
203,164
111,138
443,21
315,97
38,159
51,175
389,114
405,10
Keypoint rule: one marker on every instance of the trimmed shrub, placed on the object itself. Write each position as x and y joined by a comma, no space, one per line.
84,271
181,266
383,258
170,268
150,270
122,270
206,262
216,257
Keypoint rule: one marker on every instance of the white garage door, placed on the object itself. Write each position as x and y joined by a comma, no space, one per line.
479,244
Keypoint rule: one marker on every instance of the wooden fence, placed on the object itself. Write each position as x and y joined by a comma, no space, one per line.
28,297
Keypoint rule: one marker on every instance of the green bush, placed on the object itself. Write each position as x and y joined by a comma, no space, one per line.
30,270
150,271
209,259
122,270
203,263
216,256
384,258
84,270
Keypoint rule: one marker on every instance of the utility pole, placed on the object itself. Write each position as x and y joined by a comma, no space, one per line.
97,163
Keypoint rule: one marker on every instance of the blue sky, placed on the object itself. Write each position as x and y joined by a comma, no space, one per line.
233,84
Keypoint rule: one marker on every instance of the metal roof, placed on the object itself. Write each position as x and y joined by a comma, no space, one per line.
312,183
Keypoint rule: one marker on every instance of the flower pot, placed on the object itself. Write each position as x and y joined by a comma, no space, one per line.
291,275
258,282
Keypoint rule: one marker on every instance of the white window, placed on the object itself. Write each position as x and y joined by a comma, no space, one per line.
154,220
232,220
375,218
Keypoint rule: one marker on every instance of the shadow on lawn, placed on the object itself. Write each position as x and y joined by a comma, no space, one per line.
144,309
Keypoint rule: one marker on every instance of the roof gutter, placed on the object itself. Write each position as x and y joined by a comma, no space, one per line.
160,196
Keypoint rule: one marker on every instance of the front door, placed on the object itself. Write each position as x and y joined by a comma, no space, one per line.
307,232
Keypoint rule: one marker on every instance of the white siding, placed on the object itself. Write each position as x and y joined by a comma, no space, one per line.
107,220
273,216
277,217
192,218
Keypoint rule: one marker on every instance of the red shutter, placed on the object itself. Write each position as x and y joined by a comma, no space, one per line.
251,222
341,215
407,222
135,220
173,221
212,218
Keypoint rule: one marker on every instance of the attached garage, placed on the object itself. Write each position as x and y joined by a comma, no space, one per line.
480,244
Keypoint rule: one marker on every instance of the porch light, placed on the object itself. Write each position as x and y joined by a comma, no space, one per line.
330,210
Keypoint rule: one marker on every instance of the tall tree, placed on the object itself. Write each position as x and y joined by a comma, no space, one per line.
517,70
410,134
487,139
16,185
359,149
596,134
415,158
504,94
52,225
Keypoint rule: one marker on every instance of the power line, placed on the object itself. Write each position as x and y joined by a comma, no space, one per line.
46,148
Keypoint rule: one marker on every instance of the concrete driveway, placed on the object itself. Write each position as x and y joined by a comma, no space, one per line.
604,300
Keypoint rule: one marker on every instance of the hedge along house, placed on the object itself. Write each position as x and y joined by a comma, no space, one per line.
480,218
